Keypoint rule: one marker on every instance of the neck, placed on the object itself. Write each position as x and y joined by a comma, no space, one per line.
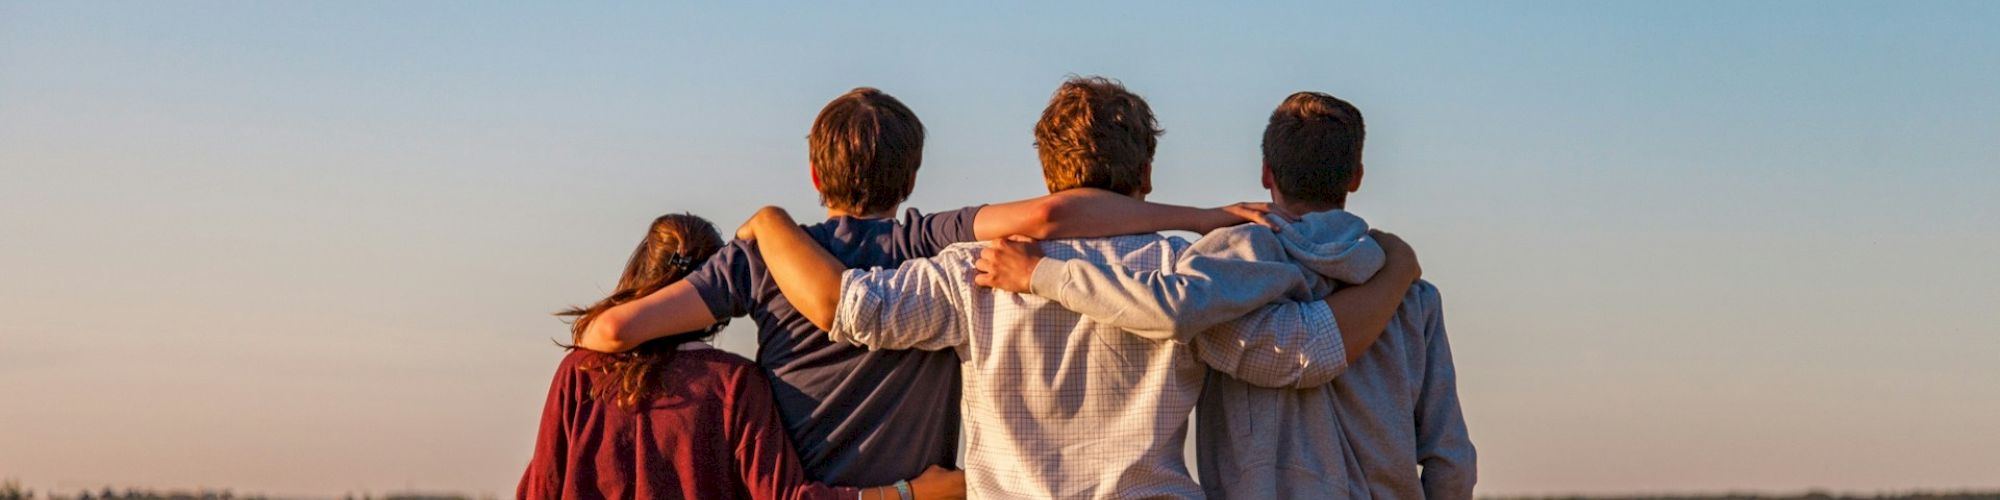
1300,209
885,214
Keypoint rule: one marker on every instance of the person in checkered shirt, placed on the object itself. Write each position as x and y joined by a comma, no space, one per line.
1060,405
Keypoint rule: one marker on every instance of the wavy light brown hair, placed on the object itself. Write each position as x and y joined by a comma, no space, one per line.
865,148
1313,147
1096,134
674,246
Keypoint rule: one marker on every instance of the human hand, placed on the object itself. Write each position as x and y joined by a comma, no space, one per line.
938,483
1259,213
1401,259
1008,264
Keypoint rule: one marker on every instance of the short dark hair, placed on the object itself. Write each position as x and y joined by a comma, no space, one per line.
866,147
1313,147
1096,134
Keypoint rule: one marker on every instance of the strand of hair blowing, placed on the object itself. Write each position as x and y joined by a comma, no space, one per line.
674,246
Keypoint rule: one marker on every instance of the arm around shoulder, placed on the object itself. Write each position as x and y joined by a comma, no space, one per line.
676,309
917,305
1090,213
1289,345
1219,278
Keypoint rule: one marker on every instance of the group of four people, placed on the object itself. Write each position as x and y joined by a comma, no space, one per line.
1069,338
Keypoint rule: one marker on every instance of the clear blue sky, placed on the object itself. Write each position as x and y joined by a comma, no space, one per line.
310,247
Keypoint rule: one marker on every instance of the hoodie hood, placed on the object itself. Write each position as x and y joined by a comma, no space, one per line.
1335,244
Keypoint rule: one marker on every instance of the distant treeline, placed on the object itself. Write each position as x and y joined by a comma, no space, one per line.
12,490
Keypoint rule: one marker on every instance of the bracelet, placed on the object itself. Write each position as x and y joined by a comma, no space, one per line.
903,490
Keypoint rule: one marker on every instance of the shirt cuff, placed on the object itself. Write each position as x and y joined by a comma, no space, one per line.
1049,278
859,309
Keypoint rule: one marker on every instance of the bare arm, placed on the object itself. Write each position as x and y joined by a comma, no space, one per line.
805,272
910,307
1364,310
678,308
1088,213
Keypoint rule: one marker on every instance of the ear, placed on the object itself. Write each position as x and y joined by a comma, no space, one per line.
1269,182
1354,184
1146,181
814,171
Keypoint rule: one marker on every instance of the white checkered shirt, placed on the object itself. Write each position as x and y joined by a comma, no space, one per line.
1057,405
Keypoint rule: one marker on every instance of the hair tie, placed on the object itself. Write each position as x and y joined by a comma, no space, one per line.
680,262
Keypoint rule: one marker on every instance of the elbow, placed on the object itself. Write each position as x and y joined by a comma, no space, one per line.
1316,376
771,213
605,334
818,310
1321,366
1175,331
823,320
1354,353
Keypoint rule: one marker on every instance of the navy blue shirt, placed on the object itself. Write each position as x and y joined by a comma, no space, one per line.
858,417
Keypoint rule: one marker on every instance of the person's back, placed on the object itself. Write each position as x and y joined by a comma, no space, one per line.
856,415
681,442
1389,426
1057,405
1360,429
1398,406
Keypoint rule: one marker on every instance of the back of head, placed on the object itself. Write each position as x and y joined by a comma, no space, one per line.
1313,148
1096,134
865,148
675,244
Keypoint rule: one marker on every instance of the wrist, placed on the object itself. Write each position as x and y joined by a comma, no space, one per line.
1212,219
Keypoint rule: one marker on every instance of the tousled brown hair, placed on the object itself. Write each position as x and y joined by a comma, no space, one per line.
1096,134
865,148
674,246
1313,147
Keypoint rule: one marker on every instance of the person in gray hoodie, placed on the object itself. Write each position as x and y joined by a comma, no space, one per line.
1387,424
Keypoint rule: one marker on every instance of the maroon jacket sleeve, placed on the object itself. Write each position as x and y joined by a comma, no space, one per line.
764,457
545,475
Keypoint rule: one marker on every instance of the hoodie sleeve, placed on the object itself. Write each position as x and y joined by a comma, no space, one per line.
1288,345
1224,275
1444,447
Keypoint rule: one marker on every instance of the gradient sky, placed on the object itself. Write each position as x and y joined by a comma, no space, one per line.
310,248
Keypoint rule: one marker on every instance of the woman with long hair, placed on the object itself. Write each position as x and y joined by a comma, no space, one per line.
675,418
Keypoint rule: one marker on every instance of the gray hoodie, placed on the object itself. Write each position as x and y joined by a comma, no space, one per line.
1389,426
